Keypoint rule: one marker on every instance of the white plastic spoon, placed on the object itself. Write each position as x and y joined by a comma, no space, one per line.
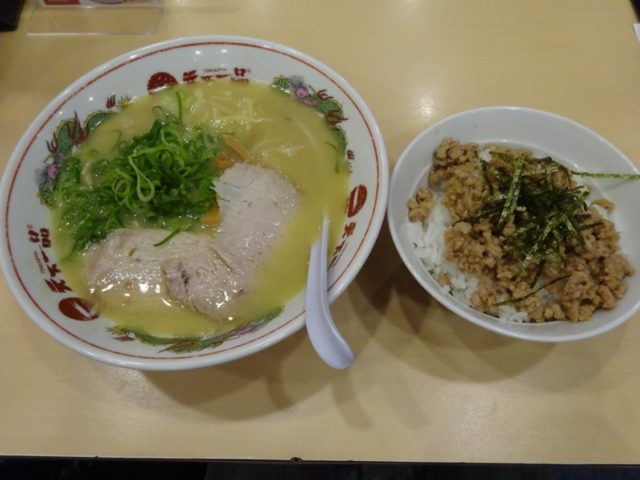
324,335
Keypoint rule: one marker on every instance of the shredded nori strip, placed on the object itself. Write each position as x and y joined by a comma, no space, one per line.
544,217
533,292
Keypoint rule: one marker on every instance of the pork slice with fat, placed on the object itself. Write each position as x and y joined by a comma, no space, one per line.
207,273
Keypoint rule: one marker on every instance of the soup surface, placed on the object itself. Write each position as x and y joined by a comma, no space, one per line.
260,125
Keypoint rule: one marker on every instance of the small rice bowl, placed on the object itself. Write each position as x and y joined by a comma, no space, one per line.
543,133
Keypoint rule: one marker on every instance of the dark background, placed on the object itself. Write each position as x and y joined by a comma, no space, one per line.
103,469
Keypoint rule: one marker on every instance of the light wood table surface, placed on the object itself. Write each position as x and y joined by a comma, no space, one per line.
426,385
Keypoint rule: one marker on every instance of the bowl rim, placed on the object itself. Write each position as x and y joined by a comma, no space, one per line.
261,342
445,299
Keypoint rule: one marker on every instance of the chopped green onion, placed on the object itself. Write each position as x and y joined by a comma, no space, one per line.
167,238
163,178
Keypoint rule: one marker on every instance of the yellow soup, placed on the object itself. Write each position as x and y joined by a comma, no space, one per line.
261,125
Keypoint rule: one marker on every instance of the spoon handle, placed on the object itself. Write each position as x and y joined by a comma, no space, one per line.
324,335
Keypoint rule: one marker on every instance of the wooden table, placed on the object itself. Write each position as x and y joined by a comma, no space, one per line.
426,385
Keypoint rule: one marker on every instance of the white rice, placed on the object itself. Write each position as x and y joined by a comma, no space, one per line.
428,240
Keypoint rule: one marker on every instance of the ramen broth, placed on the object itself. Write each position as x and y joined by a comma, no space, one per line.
279,133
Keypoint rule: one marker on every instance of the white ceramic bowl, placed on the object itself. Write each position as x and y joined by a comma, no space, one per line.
545,134
30,265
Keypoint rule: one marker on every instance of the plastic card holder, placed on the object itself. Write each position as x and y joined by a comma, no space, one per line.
95,17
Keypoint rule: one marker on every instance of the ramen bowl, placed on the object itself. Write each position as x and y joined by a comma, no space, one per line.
544,134
33,269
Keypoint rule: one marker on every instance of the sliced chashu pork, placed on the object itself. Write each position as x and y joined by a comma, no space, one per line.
204,272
